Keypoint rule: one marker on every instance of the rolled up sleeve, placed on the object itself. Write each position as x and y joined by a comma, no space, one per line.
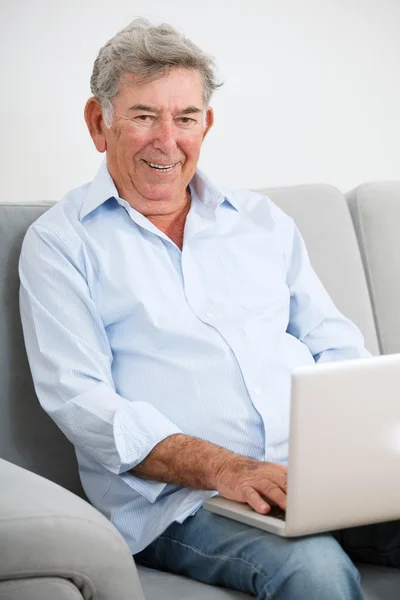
70,359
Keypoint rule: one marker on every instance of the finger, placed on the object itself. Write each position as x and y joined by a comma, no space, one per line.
280,479
274,494
253,499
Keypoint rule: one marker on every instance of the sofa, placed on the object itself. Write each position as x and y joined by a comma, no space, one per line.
53,544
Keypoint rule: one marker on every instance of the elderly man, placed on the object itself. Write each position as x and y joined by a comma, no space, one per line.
162,319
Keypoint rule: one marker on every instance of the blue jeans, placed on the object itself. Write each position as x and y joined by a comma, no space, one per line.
223,552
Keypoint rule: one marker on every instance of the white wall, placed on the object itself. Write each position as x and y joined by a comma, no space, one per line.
311,94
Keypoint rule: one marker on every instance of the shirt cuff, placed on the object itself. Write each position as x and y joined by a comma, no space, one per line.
151,428
148,489
138,427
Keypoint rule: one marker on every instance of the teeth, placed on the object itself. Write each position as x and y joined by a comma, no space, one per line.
162,167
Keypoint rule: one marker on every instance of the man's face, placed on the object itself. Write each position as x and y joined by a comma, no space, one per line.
154,141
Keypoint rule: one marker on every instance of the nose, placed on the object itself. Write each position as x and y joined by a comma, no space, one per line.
165,136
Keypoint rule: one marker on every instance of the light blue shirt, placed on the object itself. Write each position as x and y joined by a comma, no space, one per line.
131,340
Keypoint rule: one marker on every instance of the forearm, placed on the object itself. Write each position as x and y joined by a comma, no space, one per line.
183,460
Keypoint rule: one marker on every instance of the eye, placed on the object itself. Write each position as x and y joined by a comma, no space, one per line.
144,118
186,121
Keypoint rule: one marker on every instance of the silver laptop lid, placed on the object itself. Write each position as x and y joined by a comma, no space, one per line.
344,450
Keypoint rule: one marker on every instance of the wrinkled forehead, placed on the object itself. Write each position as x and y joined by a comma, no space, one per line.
172,89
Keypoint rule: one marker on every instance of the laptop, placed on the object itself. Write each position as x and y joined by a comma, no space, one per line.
344,450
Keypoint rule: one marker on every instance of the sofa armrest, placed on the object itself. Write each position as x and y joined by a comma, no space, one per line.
45,530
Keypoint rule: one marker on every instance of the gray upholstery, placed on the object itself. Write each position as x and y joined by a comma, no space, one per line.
322,215
50,532
27,435
39,588
379,583
375,208
174,587
29,438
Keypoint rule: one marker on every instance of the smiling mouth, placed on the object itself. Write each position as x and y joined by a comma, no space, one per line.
158,167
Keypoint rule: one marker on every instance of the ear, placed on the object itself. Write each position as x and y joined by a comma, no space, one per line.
95,124
209,121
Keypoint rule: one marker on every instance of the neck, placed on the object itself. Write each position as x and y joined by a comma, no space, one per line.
173,224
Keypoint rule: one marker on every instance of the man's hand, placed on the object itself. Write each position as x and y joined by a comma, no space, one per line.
183,460
256,483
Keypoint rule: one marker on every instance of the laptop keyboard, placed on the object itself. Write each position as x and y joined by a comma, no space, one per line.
277,513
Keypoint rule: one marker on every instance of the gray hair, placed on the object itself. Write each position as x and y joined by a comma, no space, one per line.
147,52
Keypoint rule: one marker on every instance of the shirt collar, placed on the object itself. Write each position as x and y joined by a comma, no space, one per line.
103,188
209,193
100,190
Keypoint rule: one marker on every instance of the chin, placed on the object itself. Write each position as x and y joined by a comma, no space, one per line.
161,192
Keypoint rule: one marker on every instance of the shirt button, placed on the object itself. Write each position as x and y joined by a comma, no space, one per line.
209,314
257,391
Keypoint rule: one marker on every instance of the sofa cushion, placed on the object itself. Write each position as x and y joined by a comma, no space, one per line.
176,586
323,218
375,208
379,583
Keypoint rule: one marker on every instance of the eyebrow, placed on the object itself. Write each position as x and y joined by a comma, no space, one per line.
189,110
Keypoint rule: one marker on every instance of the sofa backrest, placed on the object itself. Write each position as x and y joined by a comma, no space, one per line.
30,439
375,208
323,218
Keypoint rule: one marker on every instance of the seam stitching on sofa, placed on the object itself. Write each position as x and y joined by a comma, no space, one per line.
369,275
44,516
374,550
29,205
61,575
30,582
